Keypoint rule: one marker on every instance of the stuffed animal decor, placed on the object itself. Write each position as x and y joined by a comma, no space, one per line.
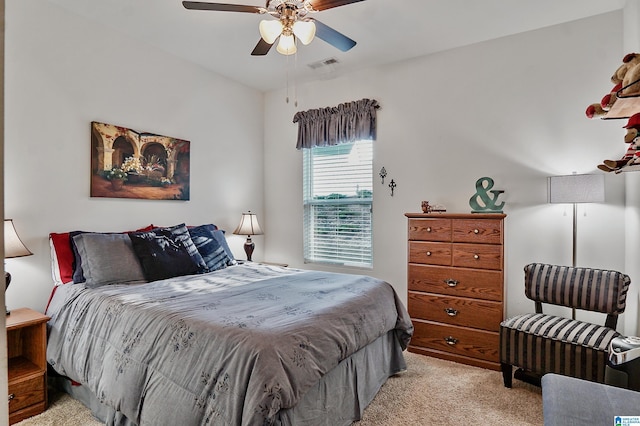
600,110
623,101
630,73
626,83
631,158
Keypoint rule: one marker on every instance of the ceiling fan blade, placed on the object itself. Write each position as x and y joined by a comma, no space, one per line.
333,37
328,4
222,7
262,48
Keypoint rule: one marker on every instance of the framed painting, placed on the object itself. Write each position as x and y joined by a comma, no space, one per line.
126,163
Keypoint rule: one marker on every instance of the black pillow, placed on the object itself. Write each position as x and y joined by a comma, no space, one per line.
167,252
78,275
213,253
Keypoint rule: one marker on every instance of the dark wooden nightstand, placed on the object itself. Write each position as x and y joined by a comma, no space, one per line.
26,349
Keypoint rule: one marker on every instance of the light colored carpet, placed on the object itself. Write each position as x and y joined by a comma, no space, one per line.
438,392
430,392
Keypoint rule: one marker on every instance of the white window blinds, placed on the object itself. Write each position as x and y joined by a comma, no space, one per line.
338,196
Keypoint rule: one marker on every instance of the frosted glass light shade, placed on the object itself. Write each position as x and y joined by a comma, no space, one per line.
305,31
287,45
576,189
270,30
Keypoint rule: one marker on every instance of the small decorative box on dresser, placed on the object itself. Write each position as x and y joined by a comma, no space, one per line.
26,347
456,286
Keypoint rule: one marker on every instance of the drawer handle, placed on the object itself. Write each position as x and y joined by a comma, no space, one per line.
429,229
451,282
451,340
451,312
476,231
11,396
428,253
476,256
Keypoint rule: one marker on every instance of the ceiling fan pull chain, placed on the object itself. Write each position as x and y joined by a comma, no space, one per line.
287,77
295,76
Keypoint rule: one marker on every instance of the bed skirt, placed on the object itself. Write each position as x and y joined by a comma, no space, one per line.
339,398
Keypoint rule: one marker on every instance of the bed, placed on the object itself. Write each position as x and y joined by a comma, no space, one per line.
238,344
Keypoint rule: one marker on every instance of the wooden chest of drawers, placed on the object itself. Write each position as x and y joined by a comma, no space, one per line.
456,286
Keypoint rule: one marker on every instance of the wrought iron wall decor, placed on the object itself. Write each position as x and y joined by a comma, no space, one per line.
383,174
392,185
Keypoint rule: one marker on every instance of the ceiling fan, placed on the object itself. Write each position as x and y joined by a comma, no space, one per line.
292,22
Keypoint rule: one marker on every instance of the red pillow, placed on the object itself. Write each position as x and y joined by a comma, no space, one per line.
61,257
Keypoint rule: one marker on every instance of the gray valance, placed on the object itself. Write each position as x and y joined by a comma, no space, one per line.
347,122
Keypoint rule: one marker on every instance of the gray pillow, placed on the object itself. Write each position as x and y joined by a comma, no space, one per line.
108,259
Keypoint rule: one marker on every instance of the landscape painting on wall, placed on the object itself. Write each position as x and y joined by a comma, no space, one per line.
126,163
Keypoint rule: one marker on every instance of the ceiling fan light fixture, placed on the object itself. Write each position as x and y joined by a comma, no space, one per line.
270,29
305,31
287,45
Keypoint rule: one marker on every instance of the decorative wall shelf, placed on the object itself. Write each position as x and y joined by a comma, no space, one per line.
624,106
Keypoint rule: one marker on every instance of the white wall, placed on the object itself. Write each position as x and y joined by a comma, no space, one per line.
62,72
631,43
4,388
511,109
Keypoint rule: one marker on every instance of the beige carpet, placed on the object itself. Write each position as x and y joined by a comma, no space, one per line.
431,392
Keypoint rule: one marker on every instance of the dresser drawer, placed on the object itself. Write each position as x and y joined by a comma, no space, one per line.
462,311
485,231
472,343
26,393
430,229
481,284
481,256
430,253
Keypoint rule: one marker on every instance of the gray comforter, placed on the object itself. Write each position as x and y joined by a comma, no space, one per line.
231,347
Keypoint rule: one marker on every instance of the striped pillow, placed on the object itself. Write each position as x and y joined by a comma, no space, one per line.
214,254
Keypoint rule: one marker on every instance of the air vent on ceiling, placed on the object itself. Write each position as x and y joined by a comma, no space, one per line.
330,62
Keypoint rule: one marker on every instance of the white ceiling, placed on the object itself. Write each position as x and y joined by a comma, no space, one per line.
386,31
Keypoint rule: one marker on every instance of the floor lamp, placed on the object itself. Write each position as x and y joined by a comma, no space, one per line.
574,189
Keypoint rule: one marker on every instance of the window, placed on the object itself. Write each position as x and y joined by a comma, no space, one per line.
338,196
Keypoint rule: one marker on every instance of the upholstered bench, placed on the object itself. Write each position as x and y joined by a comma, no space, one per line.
541,343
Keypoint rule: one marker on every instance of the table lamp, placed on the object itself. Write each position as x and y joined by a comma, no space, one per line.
13,247
248,226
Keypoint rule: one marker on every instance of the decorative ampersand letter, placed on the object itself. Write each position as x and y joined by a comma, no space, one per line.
483,188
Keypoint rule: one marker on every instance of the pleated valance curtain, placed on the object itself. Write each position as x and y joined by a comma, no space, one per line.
347,122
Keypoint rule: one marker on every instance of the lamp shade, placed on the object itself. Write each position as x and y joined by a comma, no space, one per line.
286,45
13,246
576,189
248,225
270,30
305,31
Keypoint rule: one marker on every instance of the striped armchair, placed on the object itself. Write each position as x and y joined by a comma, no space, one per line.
540,343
